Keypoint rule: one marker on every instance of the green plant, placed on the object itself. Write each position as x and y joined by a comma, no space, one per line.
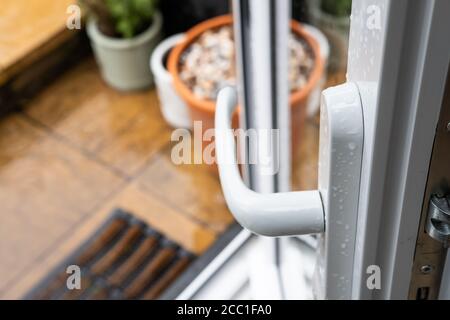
338,8
121,18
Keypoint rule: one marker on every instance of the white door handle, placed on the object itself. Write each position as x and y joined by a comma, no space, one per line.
331,211
276,214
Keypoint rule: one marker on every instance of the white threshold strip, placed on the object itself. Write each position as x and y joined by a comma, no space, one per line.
215,265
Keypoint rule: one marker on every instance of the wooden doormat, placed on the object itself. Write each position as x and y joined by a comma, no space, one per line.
124,259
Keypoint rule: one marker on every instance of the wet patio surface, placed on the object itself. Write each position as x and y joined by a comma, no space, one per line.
76,152
80,149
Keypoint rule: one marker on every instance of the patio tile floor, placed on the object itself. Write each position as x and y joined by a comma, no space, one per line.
80,149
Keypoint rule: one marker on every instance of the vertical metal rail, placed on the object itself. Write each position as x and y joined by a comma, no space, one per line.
241,16
261,30
261,34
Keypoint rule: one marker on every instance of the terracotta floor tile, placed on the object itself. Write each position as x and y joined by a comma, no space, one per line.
122,129
146,135
75,88
16,136
46,189
52,174
194,189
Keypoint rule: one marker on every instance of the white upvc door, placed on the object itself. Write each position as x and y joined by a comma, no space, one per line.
377,130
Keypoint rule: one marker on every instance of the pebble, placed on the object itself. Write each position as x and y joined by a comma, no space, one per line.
208,64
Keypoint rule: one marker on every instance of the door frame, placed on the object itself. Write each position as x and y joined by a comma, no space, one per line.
400,131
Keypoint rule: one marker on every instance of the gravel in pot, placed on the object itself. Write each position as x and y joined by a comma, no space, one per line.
208,64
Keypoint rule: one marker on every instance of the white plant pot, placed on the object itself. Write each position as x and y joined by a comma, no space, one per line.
314,98
173,107
123,62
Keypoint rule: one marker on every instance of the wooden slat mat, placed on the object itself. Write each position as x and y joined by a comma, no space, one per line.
124,259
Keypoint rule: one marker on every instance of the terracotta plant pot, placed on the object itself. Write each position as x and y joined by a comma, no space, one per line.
203,110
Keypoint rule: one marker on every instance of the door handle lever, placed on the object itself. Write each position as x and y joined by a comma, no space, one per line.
336,203
274,214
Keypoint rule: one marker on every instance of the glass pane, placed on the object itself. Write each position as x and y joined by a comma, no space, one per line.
328,24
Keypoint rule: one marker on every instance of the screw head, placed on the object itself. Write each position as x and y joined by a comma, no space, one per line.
440,195
426,269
